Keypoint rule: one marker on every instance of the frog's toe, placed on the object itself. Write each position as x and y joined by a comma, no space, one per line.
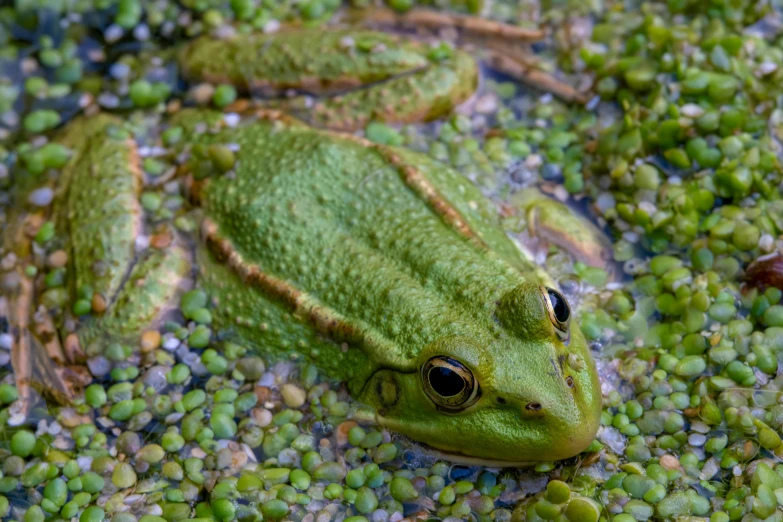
550,222
36,355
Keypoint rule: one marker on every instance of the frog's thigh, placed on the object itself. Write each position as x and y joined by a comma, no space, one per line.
98,205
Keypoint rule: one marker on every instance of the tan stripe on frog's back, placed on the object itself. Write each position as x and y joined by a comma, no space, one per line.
327,321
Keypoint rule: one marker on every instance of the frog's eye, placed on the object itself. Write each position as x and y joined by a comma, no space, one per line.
558,310
449,384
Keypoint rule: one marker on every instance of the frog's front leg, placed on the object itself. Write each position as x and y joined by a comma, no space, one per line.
551,222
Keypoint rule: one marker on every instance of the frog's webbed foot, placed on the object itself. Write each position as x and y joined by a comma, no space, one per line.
499,45
550,222
37,358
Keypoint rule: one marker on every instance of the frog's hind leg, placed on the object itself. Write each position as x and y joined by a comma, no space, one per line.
97,211
131,288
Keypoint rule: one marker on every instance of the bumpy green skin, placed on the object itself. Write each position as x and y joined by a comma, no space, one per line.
104,168
411,87
384,280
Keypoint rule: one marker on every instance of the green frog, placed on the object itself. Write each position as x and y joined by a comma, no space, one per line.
383,267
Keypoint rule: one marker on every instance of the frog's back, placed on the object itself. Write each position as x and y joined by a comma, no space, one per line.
375,246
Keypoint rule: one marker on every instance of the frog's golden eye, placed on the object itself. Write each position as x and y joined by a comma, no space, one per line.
448,383
558,310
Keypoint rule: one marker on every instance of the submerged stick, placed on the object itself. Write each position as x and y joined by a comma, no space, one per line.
19,316
539,79
32,360
434,20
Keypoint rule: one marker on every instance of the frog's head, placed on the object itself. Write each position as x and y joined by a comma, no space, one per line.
528,392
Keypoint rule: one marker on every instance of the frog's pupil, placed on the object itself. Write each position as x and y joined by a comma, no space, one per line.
559,306
446,381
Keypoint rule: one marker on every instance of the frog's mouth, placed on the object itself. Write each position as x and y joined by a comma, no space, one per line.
467,460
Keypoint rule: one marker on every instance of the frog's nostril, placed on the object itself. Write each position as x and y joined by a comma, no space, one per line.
570,381
533,406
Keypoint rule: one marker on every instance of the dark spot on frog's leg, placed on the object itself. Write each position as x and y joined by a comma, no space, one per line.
557,369
387,390
501,400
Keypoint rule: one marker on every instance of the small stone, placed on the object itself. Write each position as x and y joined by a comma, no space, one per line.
141,32
262,416
161,240
142,243
697,439
691,110
232,119
171,343
487,104
670,462
271,26
57,259
150,340
293,396
41,197
6,341
113,33
98,303
202,93
766,243
767,68
119,70
98,366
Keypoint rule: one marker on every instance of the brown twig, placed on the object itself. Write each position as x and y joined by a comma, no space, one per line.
47,333
19,315
523,72
435,20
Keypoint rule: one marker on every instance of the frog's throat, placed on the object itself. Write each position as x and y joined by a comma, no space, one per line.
450,456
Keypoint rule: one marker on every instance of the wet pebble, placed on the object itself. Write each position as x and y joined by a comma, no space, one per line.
6,341
113,33
119,70
99,366
41,197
